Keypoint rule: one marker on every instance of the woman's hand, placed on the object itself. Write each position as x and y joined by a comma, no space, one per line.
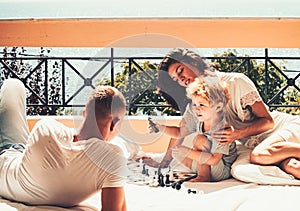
226,134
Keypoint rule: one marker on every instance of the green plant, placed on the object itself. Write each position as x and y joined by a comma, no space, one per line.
33,74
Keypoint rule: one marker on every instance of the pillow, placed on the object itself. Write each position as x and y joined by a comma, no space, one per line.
243,170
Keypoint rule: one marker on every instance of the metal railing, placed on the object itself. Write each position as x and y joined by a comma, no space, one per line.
56,82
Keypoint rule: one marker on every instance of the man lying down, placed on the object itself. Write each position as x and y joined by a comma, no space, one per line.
53,166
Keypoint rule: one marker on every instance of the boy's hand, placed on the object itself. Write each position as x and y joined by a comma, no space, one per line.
180,152
150,162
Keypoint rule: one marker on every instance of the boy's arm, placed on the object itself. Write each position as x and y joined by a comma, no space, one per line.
172,131
175,132
113,199
165,162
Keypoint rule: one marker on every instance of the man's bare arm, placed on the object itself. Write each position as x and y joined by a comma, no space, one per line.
113,199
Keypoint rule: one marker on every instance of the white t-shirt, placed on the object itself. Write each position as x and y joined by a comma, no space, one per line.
55,170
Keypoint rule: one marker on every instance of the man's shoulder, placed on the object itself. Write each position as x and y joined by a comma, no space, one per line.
46,120
96,148
97,144
49,123
50,127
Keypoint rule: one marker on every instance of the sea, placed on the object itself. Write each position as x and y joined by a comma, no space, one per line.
37,9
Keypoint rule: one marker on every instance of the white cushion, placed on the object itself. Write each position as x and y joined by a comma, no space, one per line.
243,170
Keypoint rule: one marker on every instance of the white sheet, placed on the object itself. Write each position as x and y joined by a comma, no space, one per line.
226,195
269,175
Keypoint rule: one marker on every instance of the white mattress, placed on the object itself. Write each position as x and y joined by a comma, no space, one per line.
225,195
232,194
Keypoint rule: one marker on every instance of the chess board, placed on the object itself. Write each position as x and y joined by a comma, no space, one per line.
141,174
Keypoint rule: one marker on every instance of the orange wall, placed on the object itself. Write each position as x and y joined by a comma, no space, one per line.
153,32
133,128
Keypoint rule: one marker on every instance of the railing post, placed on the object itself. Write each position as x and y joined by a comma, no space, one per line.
129,88
63,81
266,75
46,82
112,69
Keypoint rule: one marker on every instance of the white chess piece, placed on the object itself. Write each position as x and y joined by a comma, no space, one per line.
171,173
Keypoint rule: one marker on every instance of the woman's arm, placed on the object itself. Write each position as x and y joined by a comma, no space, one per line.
264,122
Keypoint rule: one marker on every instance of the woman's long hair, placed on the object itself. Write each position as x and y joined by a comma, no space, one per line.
171,90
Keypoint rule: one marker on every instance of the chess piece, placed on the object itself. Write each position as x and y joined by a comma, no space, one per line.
162,184
153,182
158,179
191,191
171,175
173,185
159,170
141,165
152,124
177,185
144,170
167,180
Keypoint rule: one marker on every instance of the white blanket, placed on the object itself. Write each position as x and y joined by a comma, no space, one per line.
243,170
228,195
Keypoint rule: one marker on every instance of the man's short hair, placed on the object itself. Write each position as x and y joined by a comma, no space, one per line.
107,101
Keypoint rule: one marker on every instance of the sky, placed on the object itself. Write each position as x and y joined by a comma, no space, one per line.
35,9
16,9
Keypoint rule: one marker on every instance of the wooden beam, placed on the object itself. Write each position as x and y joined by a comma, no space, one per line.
151,32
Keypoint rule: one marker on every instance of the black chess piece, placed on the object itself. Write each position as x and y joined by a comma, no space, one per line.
177,185
162,183
173,185
158,179
159,170
191,191
144,169
167,180
155,129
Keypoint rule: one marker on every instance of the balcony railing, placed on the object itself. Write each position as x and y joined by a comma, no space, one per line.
62,82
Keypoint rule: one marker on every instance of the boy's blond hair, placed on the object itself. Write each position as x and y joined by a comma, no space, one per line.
210,88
